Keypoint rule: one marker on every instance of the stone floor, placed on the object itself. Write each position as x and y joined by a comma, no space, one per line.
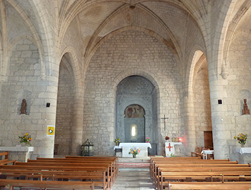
133,179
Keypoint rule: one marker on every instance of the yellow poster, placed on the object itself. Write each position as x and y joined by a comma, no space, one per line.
50,130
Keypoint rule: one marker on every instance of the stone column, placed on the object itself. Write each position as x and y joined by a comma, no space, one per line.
189,139
221,132
44,146
77,126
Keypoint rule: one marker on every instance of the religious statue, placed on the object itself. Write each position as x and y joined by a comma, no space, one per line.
23,107
245,108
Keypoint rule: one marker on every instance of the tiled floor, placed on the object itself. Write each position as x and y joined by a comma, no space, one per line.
133,179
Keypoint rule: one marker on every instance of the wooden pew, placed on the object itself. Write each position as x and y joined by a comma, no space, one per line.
155,163
83,185
157,178
6,160
209,185
109,166
154,170
77,168
72,159
202,176
189,165
91,160
98,178
63,171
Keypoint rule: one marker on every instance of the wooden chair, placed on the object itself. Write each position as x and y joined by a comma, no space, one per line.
197,152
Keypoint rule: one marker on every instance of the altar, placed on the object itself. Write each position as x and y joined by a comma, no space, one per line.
18,153
244,154
170,148
127,146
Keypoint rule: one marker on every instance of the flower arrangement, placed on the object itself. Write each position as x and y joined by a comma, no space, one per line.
241,138
167,138
148,140
117,141
134,151
25,139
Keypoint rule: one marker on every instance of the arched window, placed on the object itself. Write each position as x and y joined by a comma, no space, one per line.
133,130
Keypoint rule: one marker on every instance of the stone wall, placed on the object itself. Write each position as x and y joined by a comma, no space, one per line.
24,82
237,89
134,90
202,109
64,111
125,51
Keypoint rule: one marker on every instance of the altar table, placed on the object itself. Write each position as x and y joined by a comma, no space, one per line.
127,146
169,148
206,152
244,154
18,153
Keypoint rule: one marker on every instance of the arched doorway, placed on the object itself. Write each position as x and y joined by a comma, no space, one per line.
136,109
134,123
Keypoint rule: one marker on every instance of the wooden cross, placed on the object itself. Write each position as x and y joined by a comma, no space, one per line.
164,121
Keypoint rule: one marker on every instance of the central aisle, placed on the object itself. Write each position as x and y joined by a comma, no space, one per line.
133,179
134,174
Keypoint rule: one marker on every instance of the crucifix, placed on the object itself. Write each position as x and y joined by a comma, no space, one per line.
164,121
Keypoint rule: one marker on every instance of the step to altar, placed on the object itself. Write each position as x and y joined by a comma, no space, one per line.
134,162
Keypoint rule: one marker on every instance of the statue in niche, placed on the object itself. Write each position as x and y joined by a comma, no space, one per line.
23,107
245,108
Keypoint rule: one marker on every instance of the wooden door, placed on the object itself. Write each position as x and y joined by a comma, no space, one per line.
208,140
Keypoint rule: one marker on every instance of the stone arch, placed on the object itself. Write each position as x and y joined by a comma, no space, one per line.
172,44
190,140
134,71
75,10
233,26
107,37
36,36
71,62
220,37
133,118
74,65
195,55
14,43
152,123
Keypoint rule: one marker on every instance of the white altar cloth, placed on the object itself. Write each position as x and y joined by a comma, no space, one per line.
17,149
243,150
127,146
18,153
169,148
206,152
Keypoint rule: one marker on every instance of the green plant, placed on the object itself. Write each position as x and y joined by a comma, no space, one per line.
134,151
241,138
117,140
148,139
172,155
25,139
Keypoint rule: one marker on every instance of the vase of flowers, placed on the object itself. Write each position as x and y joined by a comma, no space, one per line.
147,139
167,138
241,138
134,152
117,141
26,139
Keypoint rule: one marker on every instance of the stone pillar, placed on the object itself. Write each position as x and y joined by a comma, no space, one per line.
77,126
220,121
189,139
44,146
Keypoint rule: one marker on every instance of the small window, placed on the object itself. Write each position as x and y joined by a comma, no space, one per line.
133,130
